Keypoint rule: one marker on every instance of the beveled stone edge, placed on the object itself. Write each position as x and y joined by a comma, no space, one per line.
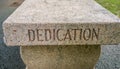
10,44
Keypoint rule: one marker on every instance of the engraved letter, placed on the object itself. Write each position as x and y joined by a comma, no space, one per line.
54,34
81,34
68,35
31,34
57,34
39,34
87,34
75,33
47,34
95,33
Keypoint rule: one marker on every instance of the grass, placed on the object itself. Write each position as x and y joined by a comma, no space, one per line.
112,5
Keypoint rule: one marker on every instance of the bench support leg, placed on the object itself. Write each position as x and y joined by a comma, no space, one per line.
60,57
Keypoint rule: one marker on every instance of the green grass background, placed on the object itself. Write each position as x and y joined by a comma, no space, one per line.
112,5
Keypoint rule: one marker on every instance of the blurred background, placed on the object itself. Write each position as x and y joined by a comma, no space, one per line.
10,56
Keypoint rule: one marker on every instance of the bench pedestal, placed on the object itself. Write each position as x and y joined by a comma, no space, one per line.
60,57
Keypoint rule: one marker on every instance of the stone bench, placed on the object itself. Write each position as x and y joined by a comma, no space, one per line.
61,34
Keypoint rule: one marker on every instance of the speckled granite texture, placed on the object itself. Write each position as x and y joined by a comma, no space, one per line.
58,22
10,58
60,57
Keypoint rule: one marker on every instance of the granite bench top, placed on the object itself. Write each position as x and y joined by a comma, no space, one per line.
61,22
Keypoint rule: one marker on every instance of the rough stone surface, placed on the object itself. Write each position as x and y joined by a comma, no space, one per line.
60,57
110,56
54,22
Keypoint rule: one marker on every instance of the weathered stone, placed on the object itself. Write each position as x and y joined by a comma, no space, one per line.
61,22
60,57
68,33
